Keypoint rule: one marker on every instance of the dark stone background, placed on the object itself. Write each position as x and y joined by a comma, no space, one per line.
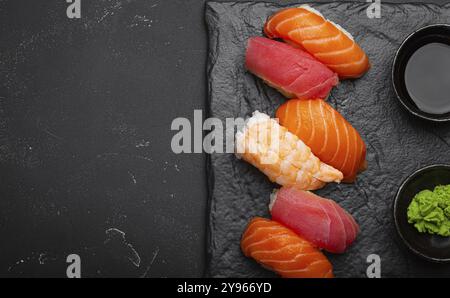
85,160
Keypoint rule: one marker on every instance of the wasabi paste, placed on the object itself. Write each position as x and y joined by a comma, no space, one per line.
430,211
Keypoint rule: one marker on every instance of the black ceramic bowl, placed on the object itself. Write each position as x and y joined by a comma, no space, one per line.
434,33
431,247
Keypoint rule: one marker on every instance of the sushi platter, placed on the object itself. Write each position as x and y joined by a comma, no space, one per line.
311,187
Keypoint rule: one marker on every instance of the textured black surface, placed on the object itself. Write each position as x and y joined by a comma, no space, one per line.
433,247
85,161
397,143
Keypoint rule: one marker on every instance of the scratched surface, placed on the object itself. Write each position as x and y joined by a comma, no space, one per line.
85,161
85,111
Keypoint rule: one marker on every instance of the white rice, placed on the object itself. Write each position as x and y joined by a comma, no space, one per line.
273,199
315,11
256,118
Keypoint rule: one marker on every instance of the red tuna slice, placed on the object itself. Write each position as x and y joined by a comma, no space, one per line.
351,227
292,71
321,221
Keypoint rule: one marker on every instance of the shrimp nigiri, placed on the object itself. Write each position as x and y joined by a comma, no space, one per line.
282,156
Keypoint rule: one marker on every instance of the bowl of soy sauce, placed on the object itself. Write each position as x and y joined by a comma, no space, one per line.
421,73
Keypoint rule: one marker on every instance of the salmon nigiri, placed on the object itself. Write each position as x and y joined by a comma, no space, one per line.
321,221
325,40
294,72
281,250
331,138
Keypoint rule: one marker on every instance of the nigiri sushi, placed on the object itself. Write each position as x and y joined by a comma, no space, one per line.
281,250
282,156
331,138
325,40
321,221
292,71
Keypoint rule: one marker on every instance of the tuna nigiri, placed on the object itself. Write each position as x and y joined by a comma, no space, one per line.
321,221
331,138
282,156
326,41
281,250
292,71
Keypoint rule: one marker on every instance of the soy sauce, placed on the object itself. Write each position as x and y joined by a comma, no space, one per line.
427,78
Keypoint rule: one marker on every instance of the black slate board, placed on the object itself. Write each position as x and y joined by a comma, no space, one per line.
397,143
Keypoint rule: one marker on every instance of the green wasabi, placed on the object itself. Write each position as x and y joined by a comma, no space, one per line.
430,211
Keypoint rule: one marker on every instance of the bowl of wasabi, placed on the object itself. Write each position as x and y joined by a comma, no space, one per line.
422,213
